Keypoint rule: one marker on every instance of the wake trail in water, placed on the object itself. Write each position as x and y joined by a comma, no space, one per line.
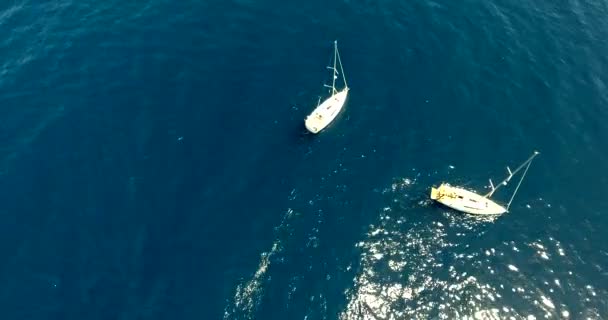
248,294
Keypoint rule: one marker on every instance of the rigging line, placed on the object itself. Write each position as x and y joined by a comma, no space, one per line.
341,68
519,184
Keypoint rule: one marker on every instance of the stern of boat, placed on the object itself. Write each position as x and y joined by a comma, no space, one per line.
311,125
434,193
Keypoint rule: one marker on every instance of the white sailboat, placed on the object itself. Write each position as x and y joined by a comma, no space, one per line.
463,200
327,111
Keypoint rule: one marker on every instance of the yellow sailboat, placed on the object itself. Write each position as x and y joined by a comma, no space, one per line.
467,201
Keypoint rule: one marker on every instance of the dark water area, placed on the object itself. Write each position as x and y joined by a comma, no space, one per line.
154,163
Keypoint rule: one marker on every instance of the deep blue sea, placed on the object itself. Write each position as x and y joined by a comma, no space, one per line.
154,162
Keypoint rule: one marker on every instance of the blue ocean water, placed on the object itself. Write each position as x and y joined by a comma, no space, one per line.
154,162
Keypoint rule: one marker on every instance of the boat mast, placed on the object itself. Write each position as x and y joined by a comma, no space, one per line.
526,164
519,184
334,71
334,75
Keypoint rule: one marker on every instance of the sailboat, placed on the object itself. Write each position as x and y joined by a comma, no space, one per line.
327,111
467,201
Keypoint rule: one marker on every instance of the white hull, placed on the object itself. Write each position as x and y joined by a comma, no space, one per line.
465,201
326,112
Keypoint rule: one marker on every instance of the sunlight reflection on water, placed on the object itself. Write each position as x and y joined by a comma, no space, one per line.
430,268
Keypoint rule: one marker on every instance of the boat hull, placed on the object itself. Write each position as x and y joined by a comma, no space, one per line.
465,201
326,112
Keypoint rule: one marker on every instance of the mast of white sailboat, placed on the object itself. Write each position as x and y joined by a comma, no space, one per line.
511,174
519,184
334,76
